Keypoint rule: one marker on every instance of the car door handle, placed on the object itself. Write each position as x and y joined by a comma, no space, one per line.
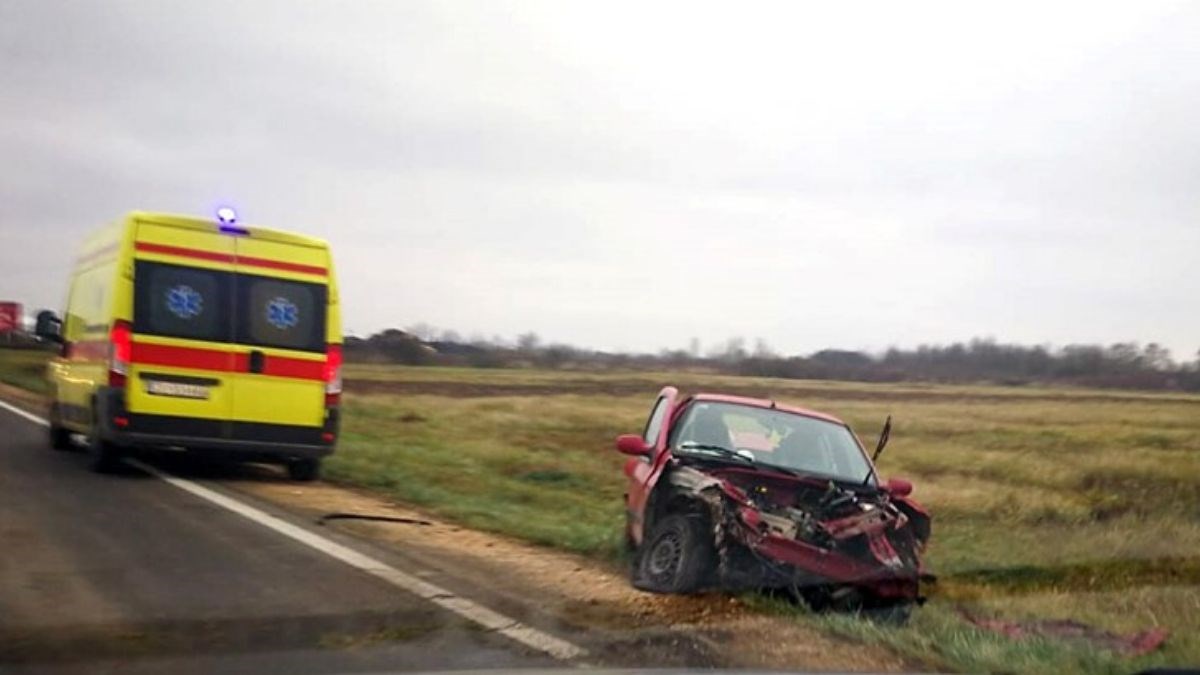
257,361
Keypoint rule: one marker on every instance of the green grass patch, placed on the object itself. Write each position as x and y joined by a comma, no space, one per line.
25,368
541,470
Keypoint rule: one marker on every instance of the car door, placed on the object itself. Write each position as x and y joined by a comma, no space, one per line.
180,377
282,301
643,472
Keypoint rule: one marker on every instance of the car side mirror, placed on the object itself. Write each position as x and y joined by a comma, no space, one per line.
898,487
48,326
632,444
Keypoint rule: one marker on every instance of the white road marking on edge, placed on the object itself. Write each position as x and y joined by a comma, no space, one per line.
472,611
29,416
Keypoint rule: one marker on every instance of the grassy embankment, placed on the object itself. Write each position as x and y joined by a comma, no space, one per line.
1048,503
24,368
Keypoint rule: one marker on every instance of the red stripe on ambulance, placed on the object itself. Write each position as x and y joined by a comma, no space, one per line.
212,256
145,353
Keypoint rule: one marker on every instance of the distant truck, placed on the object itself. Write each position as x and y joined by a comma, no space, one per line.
10,318
202,334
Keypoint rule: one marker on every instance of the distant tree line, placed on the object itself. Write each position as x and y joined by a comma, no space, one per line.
1121,365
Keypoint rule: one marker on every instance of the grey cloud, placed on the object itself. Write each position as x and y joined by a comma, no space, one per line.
634,175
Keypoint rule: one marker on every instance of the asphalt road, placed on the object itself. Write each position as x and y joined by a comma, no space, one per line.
131,574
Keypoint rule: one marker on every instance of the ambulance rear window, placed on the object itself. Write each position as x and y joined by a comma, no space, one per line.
281,313
182,302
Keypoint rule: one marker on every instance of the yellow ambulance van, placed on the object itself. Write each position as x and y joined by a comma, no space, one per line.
202,334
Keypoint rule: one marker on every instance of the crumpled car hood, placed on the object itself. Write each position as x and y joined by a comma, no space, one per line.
820,531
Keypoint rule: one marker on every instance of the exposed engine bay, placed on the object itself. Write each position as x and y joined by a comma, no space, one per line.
777,530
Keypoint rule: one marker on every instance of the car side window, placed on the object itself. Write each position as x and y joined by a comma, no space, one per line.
654,424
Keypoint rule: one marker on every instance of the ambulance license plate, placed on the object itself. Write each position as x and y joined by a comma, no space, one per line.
176,389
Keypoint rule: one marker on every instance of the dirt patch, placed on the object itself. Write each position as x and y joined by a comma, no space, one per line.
585,593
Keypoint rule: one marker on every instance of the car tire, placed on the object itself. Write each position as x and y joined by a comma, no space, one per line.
892,614
677,557
60,437
304,470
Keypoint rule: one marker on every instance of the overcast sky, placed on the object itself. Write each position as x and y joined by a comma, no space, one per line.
630,176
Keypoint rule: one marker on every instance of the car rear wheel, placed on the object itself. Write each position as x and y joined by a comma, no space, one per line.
677,557
304,469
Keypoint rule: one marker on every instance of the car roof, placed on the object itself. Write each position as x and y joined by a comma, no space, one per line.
766,404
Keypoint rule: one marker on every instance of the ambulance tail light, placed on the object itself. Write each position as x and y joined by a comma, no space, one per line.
120,344
333,375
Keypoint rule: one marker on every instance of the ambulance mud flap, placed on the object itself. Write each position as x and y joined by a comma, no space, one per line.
112,418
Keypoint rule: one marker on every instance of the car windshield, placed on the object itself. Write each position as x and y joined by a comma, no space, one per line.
772,437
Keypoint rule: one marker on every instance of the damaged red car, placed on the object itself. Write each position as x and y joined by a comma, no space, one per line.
741,493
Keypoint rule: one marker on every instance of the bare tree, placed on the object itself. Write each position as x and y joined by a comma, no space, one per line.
422,331
528,342
1157,357
762,350
733,351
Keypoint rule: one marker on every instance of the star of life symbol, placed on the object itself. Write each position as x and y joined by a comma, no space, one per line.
184,302
282,313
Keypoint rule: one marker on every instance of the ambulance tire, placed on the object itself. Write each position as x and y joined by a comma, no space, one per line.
103,456
304,470
60,437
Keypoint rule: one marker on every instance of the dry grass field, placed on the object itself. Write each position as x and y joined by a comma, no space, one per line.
1047,503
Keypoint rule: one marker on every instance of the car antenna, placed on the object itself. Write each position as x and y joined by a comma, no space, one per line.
883,441
883,438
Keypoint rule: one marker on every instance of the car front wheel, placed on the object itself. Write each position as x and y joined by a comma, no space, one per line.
677,557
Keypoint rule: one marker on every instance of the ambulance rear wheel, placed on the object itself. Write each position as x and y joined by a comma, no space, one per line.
60,437
304,470
103,456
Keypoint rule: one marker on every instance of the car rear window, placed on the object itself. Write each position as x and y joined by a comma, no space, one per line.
182,302
281,313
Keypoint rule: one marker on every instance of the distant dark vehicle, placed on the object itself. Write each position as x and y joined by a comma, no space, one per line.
743,493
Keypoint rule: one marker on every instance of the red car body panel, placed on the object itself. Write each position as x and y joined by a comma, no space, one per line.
644,472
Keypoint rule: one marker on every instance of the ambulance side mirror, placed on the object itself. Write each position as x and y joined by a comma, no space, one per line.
48,326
